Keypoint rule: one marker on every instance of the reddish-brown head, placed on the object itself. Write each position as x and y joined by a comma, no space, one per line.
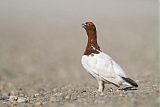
89,26
92,45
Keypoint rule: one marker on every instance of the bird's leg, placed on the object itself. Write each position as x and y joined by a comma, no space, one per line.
101,86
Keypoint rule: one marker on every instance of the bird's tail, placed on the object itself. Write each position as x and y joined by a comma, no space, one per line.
130,81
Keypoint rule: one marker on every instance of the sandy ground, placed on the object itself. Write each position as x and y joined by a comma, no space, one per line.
41,44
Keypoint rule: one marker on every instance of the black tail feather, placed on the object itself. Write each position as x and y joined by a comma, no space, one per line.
130,81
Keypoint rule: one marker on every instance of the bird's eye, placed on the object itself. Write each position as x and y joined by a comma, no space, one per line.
88,24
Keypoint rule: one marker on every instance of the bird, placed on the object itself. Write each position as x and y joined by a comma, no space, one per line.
100,65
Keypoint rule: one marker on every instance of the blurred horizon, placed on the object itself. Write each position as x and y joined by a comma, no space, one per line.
46,36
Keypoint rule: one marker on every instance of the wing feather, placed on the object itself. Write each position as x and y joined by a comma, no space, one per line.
105,67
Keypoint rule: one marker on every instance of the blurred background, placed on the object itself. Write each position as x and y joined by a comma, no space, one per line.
42,41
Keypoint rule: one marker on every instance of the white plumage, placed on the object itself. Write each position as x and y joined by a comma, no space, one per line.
103,67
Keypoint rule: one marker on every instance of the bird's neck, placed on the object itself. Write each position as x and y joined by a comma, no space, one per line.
92,39
92,45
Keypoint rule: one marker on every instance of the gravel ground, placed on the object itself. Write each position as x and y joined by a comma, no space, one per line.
146,95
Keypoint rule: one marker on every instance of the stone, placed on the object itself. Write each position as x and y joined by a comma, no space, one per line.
23,100
13,98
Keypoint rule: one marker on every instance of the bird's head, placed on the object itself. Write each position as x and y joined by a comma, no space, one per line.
89,26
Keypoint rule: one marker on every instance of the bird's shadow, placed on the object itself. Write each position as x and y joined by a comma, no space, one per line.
128,88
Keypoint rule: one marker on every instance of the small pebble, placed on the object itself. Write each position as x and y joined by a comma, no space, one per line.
68,97
110,89
13,98
57,97
14,104
36,95
121,95
73,97
3,97
53,99
23,100
38,103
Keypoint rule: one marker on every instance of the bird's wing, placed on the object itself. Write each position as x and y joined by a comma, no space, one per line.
117,69
107,68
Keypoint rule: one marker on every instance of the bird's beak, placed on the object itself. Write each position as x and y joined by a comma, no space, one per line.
84,25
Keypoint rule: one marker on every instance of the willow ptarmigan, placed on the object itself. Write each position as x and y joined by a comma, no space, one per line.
100,65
